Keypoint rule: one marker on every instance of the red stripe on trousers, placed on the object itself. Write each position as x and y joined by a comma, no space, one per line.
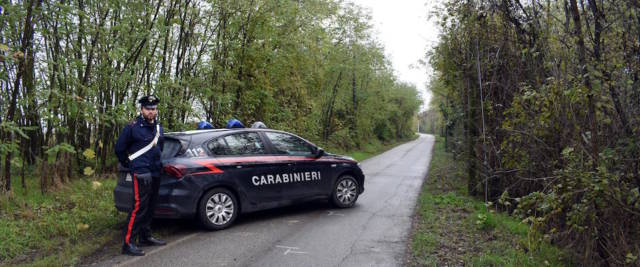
135,208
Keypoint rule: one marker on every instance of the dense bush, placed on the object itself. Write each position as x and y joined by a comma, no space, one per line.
542,101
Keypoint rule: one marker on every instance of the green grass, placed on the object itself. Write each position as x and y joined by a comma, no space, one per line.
61,228
56,228
452,228
371,149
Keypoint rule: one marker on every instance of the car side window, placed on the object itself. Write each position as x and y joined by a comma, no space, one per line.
289,145
218,147
237,144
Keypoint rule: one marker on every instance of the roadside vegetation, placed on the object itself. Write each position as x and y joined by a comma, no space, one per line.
371,149
540,101
452,228
73,71
57,228
79,219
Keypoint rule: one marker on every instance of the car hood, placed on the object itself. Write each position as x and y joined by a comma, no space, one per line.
341,157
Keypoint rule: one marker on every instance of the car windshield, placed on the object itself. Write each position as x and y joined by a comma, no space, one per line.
288,144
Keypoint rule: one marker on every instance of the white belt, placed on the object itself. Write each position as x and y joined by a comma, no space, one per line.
149,146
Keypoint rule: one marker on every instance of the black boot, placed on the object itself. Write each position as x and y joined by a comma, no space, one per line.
151,241
132,250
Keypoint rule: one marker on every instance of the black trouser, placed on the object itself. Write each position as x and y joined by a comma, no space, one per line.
145,195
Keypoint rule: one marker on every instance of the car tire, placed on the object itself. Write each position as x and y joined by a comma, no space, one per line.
345,192
218,209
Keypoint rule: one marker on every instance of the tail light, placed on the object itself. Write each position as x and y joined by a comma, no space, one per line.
176,170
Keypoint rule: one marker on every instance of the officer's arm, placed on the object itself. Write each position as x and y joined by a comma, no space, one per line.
124,140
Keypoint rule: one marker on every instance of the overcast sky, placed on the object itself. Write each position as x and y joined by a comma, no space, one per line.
406,33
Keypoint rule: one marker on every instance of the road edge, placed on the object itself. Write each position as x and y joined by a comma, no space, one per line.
406,258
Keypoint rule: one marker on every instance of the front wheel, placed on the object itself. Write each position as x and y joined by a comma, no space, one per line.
345,192
218,209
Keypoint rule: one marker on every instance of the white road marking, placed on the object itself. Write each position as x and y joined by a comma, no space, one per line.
331,213
292,250
291,222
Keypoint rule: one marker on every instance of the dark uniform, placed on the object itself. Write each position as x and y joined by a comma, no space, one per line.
145,172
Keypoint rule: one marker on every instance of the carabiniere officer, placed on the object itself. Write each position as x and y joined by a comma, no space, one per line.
138,148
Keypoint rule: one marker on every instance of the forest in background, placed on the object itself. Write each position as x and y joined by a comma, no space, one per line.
73,70
541,99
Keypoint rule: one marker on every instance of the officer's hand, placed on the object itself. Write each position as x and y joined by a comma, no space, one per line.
123,166
145,178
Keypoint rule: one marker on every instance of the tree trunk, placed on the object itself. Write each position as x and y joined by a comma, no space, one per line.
23,65
328,116
243,49
354,101
32,117
470,142
591,113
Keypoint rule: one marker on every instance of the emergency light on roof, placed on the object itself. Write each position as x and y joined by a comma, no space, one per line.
233,123
204,125
258,124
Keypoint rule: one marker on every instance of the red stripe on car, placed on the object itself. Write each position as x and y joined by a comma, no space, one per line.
209,164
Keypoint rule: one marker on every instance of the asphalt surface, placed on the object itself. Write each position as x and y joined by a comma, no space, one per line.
372,233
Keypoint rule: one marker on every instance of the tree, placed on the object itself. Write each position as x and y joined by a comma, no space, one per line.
550,78
308,67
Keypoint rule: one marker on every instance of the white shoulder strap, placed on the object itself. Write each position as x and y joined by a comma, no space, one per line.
149,146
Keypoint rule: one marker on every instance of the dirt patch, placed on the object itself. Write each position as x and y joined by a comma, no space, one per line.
109,250
162,228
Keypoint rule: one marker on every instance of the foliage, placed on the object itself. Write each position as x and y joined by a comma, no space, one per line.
54,151
74,70
540,99
57,228
453,228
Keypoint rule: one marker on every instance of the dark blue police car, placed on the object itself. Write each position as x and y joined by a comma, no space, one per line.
217,174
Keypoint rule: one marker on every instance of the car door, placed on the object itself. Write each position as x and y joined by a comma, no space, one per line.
308,174
123,192
242,157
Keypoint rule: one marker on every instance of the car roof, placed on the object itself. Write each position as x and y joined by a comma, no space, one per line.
192,132
202,135
209,132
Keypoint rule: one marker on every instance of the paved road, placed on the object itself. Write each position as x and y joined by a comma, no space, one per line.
373,233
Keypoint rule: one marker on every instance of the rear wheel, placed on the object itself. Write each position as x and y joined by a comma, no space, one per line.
218,209
345,192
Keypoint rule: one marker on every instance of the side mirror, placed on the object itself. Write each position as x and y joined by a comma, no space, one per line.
319,152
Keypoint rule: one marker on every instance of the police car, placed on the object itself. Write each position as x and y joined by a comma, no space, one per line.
215,175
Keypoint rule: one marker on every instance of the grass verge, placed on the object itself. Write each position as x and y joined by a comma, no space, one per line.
453,229
78,220
57,228
372,149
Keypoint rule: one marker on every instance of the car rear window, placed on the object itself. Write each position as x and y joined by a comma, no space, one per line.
171,148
